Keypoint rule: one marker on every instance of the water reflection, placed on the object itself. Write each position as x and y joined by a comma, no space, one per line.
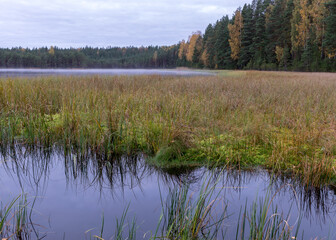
118,180
312,201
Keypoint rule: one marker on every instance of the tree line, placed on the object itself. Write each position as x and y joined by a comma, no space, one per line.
264,35
88,57
268,35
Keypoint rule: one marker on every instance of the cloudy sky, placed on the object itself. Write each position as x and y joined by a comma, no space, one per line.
102,23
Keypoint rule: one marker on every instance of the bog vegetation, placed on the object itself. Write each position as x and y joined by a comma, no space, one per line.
264,35
280,121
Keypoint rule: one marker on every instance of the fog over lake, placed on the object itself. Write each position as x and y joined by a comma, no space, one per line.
109,72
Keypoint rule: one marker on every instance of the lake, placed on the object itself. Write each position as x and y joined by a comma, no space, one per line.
12,72
72,196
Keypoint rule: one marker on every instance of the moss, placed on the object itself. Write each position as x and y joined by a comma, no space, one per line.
220,149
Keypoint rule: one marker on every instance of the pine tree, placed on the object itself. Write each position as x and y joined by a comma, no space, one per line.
247,37
330,35
209,41
197,51
223,52
260,38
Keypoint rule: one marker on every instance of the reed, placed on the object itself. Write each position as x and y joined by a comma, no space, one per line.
281,121
193,215
264,222
15,220
203,215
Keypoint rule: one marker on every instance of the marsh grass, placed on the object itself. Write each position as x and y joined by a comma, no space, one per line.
189,215
202,214
16,220
185,215
281,121
264,222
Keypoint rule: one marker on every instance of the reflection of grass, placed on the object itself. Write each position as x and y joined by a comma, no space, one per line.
185,215
203,214
281,121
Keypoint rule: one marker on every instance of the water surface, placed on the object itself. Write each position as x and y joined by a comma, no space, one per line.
13,72
72,195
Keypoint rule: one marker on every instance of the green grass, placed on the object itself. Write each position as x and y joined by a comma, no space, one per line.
280,121
193,216
15,220
264,221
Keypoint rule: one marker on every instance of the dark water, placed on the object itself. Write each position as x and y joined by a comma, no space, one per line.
71,194
80,72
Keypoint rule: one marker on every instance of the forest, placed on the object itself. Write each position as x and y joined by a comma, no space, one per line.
292,35
268,35
89,57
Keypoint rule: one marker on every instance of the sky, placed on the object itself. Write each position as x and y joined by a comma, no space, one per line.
104,23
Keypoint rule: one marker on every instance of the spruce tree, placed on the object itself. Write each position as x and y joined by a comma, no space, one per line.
209,41
330,35
260,35
247,50
223,52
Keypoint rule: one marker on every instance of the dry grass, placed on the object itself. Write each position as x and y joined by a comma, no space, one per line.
282,121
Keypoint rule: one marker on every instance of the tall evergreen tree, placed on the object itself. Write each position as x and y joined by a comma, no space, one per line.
222,46
330,35
260,33
209,41
247,37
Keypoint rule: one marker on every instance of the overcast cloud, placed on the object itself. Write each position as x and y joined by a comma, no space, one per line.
102,23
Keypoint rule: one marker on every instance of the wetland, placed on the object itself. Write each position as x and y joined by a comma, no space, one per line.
84,150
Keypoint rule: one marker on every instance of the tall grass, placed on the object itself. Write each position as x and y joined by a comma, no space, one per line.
264,222
15,220
203,215
194,216
281,121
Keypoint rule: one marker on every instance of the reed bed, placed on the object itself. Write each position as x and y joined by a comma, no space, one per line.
202,215
281,121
